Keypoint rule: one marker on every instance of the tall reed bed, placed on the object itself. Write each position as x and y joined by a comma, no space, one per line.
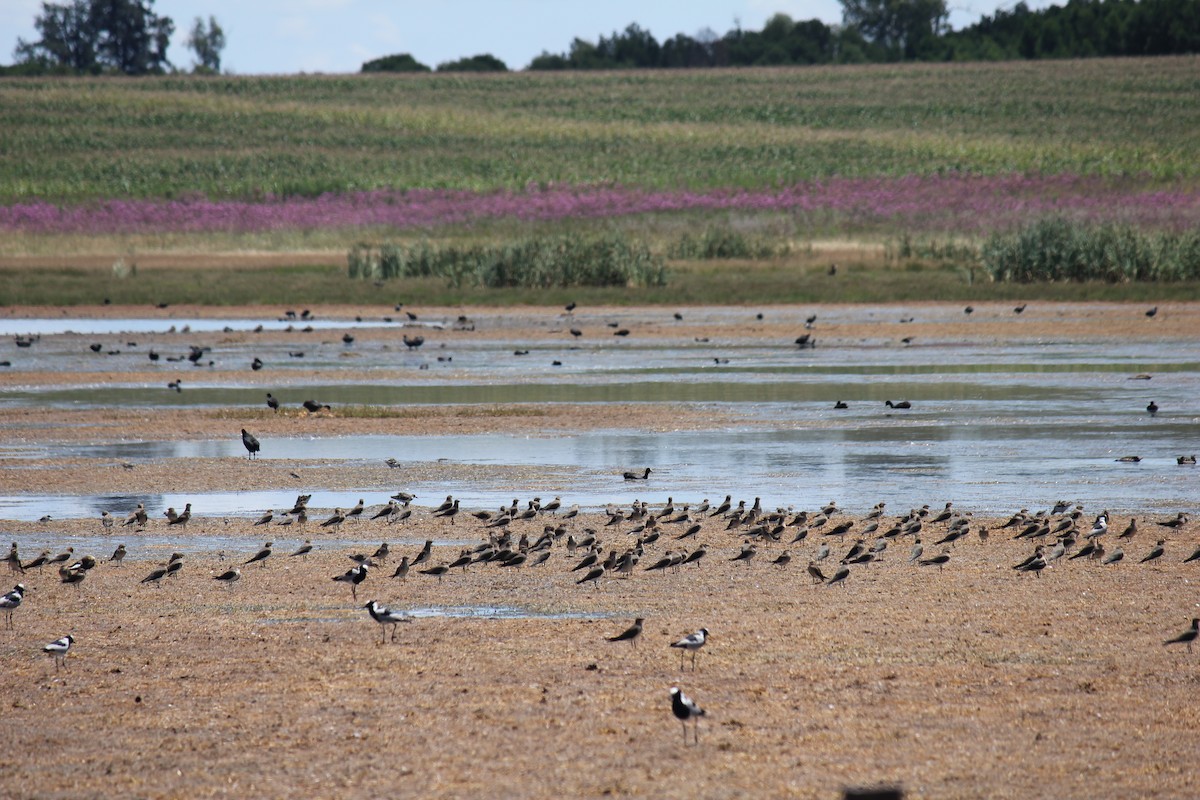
1063,250
540,262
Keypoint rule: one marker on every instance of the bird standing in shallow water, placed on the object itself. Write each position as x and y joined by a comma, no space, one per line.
251,444
1152,408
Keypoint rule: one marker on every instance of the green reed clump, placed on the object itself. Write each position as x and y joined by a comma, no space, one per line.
721,242
1062,250
930,249
542,261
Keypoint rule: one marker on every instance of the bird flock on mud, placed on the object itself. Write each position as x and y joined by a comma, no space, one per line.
622,542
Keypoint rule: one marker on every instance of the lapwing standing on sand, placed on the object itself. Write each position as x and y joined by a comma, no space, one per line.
630,634
59,649
684,708
10,601
335,521
691,644
266,518
354,577
1187,637
385,616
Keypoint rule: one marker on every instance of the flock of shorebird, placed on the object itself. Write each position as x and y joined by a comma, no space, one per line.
1060,535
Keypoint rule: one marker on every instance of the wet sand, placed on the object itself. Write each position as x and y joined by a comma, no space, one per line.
968,681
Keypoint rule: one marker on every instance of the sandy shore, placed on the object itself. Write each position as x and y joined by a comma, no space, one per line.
967,681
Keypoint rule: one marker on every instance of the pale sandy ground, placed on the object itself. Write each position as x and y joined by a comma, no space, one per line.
970,681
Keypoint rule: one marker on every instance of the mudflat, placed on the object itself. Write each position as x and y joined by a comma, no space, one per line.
965,679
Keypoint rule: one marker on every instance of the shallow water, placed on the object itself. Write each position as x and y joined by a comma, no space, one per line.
994,426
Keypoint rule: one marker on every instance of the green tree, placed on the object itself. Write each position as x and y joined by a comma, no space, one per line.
67,38
904,28
208,44
481,63
98,35
401,62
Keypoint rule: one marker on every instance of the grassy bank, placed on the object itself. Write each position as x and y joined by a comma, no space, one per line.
864,275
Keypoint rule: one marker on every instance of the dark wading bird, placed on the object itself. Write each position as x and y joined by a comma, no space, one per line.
251,443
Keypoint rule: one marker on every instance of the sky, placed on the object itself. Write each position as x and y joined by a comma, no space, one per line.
332,36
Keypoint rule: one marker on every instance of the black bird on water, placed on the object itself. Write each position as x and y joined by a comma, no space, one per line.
251,443
1152,408
633,476
902,404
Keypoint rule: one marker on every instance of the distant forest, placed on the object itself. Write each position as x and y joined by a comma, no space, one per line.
881,31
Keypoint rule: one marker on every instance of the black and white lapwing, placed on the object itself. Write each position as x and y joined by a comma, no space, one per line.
353,577
59,649
684,708
630,634
1187,637
9,603
385,616
691,644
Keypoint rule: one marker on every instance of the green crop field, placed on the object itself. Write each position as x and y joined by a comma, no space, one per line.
936,165
80,139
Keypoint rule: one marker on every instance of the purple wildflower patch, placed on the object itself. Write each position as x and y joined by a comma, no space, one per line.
967,204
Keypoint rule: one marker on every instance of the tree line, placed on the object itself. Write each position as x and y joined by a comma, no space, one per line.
127,37
882,31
